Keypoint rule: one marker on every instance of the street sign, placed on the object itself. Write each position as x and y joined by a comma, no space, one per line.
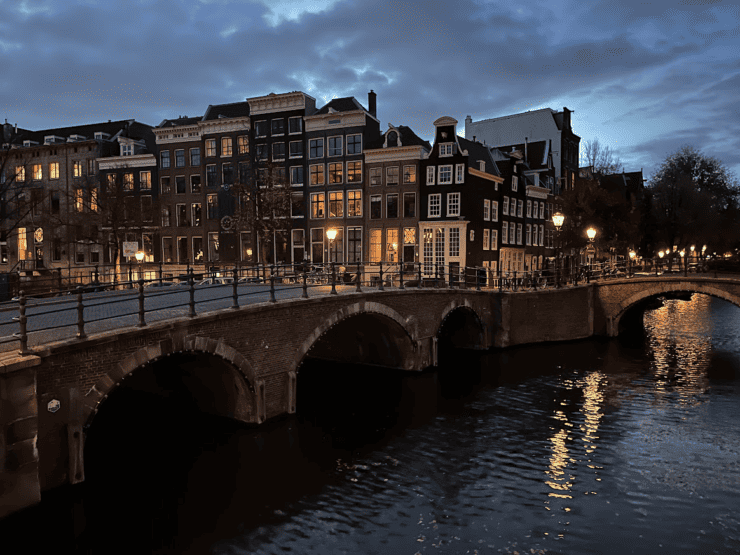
130,248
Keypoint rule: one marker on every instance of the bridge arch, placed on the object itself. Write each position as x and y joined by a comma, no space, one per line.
660,288
470,322
408,327
247,404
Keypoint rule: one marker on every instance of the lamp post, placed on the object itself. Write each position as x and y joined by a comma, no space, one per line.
632,255
590,250
140,258
331,233
660,258
557,220
683,256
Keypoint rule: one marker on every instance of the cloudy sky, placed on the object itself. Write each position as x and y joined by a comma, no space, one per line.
644,77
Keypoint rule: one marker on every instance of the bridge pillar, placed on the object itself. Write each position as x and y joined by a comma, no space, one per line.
19,457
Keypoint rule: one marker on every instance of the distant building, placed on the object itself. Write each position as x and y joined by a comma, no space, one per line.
537,125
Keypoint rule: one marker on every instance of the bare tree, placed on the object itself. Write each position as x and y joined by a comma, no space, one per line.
262,204
602,159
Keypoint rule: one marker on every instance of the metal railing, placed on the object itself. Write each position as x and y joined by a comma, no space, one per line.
87,300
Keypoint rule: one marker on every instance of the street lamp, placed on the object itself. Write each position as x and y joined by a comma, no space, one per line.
591,232
331,234
140,259
557,219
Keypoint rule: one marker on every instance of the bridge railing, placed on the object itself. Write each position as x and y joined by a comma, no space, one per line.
111,300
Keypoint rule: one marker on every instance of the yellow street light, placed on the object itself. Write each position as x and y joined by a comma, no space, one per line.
140,256
558,218
591,232
633,254
661,254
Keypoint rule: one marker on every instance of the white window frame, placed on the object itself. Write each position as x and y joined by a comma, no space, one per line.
460,173
535,210
519,234
453,204
347,141
445,149
494,240
291,177
514,183
430,175
444,168
290,150
520,209
528,235
301,126
257,125
434,207
494,211
529,209
486,210
542,210
486,239
505,206
328,152
347,174
505,233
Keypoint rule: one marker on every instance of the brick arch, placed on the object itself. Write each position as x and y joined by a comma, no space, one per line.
659,289
364,307
252,387
465,304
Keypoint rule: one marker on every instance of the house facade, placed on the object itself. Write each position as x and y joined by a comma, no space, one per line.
337,136
460,182
393,170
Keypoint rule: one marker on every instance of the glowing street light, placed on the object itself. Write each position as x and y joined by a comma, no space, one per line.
557,219
591,232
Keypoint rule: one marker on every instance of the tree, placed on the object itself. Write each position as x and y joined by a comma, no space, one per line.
262,205
601,159
695,200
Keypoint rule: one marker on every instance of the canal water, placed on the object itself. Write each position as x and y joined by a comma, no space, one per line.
588,447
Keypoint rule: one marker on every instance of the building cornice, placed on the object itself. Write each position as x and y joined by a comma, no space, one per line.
180,134
484,175
537,192
412,152
321,122
277,103
119,162
225,125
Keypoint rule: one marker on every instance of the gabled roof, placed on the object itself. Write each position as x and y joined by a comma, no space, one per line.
346,104
231,110
126,128
476,152
536,157
406,134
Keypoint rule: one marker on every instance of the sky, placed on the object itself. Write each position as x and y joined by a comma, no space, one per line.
643,77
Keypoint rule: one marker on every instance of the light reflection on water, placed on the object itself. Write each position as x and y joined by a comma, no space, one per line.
585,447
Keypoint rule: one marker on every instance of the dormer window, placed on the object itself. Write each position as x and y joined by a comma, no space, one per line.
392,139
445,149
127,150
100,136
482,165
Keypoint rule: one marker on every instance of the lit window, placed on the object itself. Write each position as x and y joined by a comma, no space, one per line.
317,205
37,175
354,172
486,239
354,204
336,204
20,173
242,144
494,239
54,170
210,147
494,211
226,146
486,210
409,174
335,173
128,182
77,168
317,174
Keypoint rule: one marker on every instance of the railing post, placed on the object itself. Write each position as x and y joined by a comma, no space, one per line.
400,277
477,279
418,285
500,281
272,284
333,280
191,287
130,277
304,295
235,293
380,281
359,273
22,320
436,275
80,315
142,323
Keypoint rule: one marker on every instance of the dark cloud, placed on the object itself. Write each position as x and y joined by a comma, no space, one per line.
619,64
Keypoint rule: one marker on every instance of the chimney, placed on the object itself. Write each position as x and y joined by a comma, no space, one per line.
525,150
371,103
473,138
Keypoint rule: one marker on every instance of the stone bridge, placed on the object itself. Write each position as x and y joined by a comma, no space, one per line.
246,360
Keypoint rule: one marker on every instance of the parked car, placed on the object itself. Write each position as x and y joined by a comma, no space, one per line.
250,279
160,284
215,281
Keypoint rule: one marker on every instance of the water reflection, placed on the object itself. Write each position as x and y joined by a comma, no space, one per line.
585,447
